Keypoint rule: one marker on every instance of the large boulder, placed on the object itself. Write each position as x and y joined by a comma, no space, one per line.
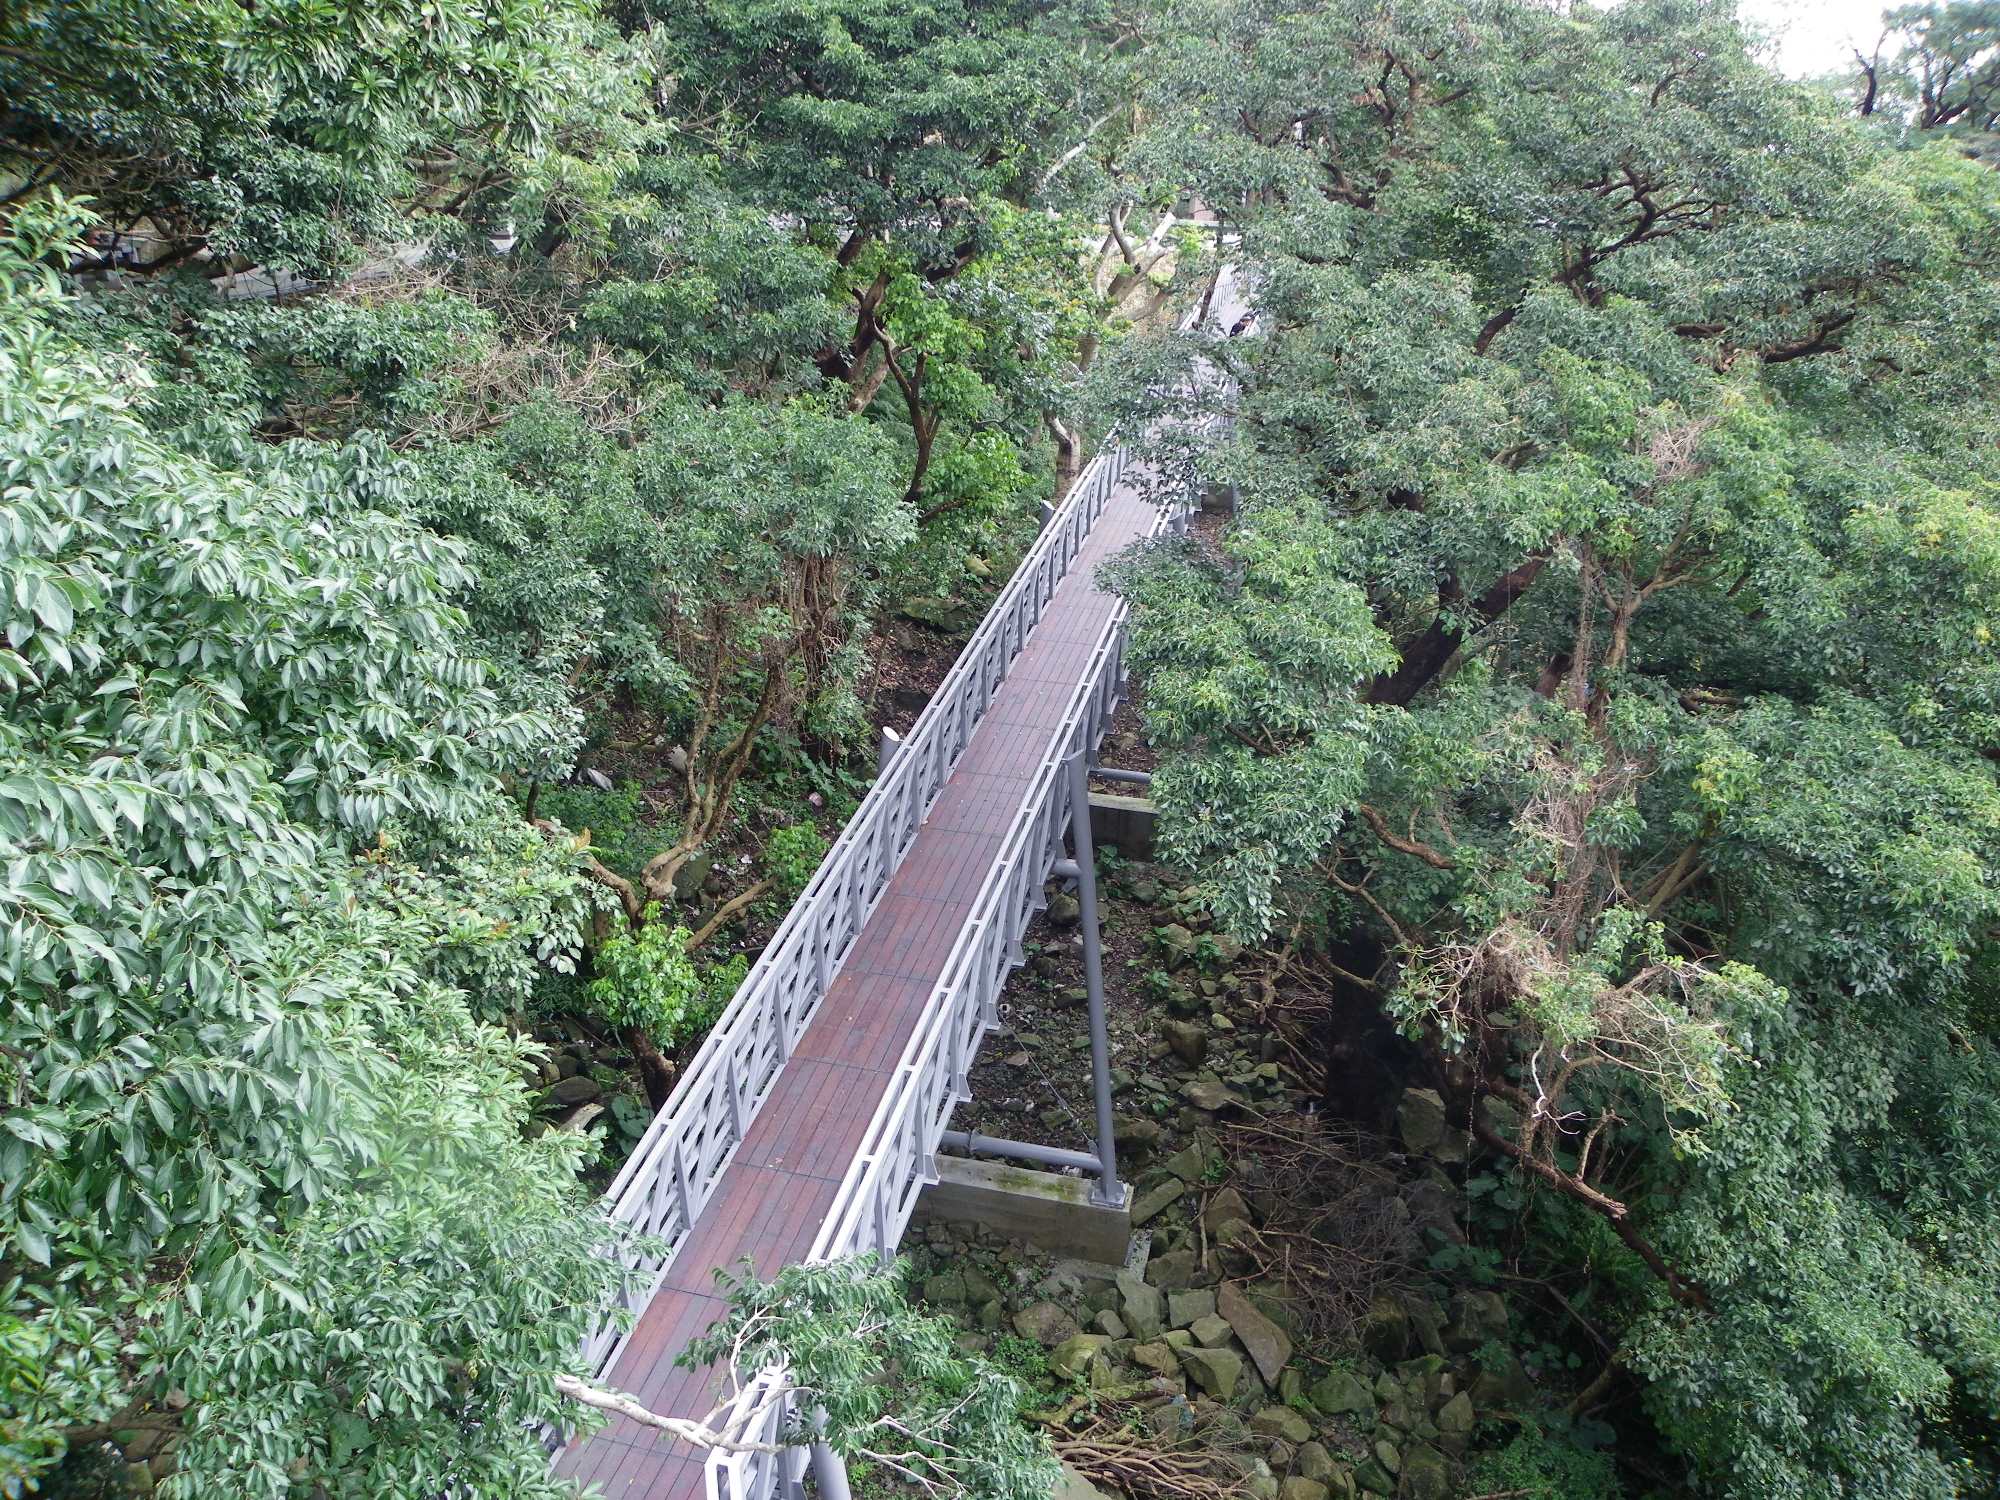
1177,944
1436,1207
1142,1306
1299,1487
1341,1391
1507,1388
1454,1419
946,1289
1154,1200
1073,1355
1159,1358
1385,1330
1374,1479
1269,1345
1427,1321
1225,1207
1216,1371
1281,1422
979,1287
1314,1462
1184,1307
1189,1040
939,614
689,879
1210,1095
1426,1475
1477,1318
1174,1271
1420,1120
570,1092
1211,1331
1045,1323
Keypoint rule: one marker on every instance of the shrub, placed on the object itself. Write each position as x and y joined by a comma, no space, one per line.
647,979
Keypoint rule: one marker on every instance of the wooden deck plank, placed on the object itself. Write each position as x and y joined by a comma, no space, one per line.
862,1026
761,1214
909,935
771,1200
978,801
1006,753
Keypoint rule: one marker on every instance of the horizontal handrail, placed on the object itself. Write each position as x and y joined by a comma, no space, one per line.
897,1155
906,1126
671,1173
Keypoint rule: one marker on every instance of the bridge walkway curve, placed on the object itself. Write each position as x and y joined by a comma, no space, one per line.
774,1197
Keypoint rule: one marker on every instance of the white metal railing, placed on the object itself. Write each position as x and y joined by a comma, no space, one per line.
897,1155
677,1163
760,1414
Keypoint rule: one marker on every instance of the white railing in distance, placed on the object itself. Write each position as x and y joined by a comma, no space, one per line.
669,1177
897,1157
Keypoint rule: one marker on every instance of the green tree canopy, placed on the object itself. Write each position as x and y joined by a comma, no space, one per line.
263,1157
1604,646
286,133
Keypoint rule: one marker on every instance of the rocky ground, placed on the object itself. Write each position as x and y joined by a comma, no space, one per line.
1280,1336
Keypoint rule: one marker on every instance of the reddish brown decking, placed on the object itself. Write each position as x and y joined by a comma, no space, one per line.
771,1200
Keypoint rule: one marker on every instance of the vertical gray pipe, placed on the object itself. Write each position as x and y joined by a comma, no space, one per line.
1109,1189
829,1473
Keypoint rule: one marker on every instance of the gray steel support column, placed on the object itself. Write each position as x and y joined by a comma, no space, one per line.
829,1471
1109,1190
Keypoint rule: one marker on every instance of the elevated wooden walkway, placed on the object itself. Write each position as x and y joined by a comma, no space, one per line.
773,1199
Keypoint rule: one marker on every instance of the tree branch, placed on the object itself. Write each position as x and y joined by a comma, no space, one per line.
621,1405
1414,847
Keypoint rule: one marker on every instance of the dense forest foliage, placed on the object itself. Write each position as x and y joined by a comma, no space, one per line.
1605,653
408,408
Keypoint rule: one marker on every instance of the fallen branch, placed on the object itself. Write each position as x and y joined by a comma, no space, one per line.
1108,1453
725,911
1059,1416
700,1434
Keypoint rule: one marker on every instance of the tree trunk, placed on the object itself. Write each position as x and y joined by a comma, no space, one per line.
1069,457
1426,655
654,1069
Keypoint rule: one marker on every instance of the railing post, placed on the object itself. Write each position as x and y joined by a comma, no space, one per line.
961,1086
1016,954
829,1469
1109,1189
734,1081
778,1027
921,1164
882,1245
683,1183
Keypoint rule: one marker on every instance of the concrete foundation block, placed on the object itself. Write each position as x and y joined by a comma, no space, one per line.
1127,822
1047,1210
